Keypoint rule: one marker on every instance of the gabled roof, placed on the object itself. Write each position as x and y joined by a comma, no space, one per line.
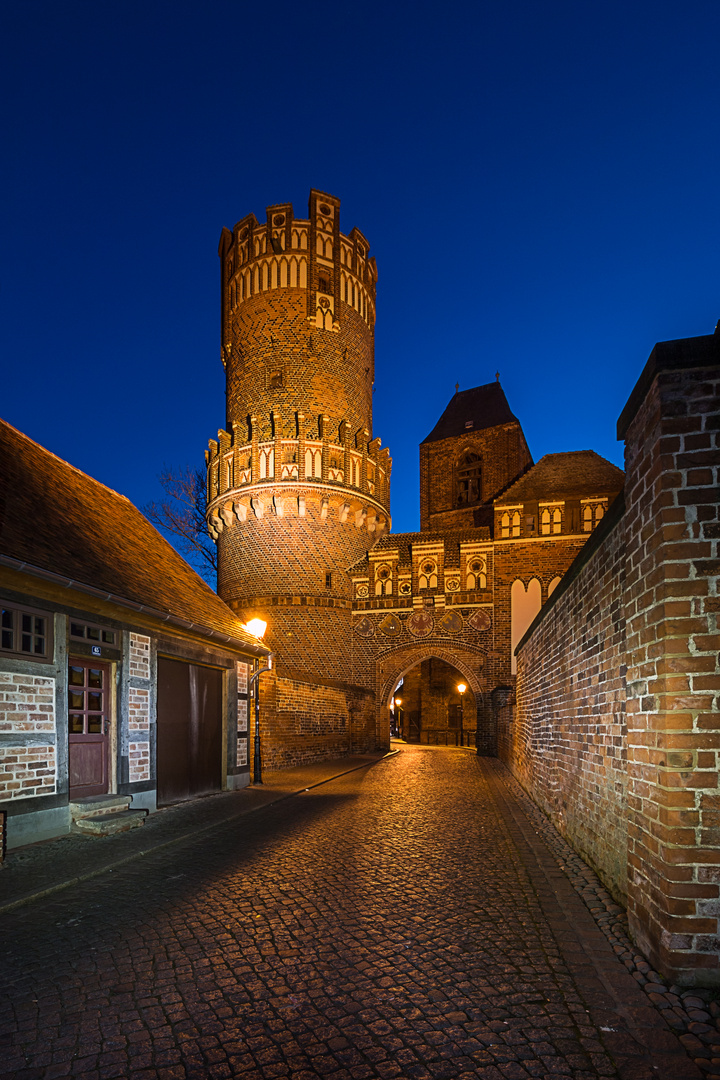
574,474
472,410
57,519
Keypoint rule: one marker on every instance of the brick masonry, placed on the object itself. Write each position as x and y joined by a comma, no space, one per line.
139,765
298,488
28,767
673,569
140,656
633,626
565,740
505,457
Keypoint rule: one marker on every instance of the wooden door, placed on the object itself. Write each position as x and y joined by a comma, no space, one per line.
189,730
88,727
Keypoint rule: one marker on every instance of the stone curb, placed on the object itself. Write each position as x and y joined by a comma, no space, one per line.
189,835
694,1015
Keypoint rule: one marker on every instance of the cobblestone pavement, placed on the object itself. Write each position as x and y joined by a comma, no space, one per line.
405,920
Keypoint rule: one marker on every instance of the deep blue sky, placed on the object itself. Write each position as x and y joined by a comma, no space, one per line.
539,182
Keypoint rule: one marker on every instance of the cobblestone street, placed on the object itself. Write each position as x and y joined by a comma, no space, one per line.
405,920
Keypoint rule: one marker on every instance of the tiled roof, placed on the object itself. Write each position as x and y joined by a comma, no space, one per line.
472,410
58,519
577,473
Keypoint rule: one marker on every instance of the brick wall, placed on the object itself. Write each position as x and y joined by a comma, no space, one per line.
139,709
504,455
302,722
565,738
673,709
27,710
659,570
296,375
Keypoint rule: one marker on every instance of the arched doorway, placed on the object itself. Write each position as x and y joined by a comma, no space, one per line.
434,710
438,706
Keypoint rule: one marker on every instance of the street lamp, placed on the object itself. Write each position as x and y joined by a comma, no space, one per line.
461,691
397,702
257,628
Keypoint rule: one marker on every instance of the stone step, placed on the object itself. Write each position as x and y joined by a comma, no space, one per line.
107,824
93,805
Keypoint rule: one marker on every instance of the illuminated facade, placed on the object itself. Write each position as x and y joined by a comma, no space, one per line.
299,496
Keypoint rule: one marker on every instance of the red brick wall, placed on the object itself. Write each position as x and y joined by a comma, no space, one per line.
673,717
565,738
300,375
504,456
304,721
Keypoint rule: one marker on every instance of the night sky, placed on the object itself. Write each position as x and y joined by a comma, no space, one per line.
539,182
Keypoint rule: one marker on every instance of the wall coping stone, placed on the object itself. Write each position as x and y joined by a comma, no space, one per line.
695,352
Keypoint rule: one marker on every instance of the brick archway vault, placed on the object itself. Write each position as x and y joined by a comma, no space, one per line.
393,665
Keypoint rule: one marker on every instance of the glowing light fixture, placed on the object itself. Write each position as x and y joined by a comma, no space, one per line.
461,688
256,627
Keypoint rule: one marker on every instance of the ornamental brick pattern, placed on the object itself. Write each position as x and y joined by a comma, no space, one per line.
298,487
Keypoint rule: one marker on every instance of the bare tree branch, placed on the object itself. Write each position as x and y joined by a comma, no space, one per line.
182,516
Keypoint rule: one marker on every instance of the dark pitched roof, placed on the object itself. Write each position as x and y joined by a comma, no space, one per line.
57,519
575,473
486,406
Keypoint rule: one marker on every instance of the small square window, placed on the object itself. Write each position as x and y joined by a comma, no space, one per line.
24,633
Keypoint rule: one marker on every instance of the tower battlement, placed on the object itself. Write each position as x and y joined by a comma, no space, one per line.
311,254
298,486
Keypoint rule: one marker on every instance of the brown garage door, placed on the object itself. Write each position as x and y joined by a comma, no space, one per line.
189,730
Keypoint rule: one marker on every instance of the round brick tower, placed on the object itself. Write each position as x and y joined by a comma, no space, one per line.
298,489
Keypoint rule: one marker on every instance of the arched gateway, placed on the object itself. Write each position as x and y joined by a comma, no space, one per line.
470,665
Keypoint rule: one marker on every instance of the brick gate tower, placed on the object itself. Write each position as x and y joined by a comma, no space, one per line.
298,487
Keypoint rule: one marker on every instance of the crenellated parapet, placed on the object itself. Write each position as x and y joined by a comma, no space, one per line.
279,476
311,254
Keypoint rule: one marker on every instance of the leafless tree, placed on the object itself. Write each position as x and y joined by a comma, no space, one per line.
181,514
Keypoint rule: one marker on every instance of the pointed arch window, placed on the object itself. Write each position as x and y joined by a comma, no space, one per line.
468,481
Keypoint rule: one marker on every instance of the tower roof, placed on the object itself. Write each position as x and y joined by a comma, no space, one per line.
472,410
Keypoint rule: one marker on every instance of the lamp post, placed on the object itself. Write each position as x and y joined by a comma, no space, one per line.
461,691
257,628
396,711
